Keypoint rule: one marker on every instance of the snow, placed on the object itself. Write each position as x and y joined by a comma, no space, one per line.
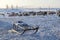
49,28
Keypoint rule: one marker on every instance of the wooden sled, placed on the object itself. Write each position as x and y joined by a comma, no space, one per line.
22,27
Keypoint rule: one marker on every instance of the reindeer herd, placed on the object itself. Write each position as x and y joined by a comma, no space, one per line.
31,13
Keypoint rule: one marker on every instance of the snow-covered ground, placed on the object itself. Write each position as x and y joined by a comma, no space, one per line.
49,28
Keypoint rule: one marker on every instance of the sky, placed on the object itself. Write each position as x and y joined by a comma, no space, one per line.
30,3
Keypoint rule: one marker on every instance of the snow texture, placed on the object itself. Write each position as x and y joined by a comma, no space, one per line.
49,28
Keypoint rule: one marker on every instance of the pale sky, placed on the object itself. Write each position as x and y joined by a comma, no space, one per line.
30,3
